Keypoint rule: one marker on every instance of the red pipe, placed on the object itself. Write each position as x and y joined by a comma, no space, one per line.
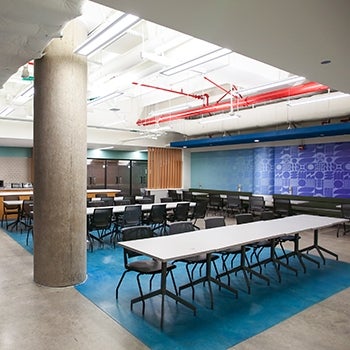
198,97
307,88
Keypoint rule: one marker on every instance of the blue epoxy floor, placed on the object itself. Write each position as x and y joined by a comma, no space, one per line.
231,321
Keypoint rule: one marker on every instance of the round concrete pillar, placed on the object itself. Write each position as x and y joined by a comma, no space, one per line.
60,162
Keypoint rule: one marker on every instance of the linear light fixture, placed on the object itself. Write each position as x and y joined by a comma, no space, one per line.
105,34
25,95
213,55
104,98
6,111
220,118
315,99
266,87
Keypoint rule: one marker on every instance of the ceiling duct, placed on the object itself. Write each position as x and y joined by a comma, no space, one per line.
207,110
268,136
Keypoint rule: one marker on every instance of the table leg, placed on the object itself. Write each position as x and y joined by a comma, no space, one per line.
163,292
319,249
208,278
298,253
245,269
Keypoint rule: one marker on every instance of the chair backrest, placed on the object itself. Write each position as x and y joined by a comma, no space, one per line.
133,233
187,196
200,209
233,201
180,227
27,208
174,195
256,203
132,215
267,215
145,200
181,211
166,200
345,210
131,199
101,218
94,203
244,218
282,206
158,214
215,221
107,201
215,199
122,202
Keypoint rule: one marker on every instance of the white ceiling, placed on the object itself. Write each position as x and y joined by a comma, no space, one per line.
293,36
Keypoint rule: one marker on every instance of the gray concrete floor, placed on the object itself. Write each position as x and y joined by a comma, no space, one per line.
36,317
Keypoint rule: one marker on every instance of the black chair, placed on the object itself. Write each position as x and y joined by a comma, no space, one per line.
195,260
174,195
9,209
233,204
234,252
256,206
122,202
345,213
132,216
26,219
180,212
101,223
199,211
145,266
166,200
258,247
107,201
157,218
215,202
187,196
282,207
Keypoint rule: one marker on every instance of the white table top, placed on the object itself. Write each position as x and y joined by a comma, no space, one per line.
144,207
167,248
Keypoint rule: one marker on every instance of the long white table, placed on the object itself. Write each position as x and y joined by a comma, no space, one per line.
118,209
208,241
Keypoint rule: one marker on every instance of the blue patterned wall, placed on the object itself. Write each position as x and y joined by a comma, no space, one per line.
321,170
264,170
317,170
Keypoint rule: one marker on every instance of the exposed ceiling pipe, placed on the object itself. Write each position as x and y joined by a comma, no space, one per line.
307,88
203,97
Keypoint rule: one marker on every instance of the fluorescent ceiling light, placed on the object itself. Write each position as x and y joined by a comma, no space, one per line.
25,95
6,111
318,98
220,118
103,148
100,99
281,83
105,34
197,61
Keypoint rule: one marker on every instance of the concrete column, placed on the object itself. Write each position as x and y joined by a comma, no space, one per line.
60,162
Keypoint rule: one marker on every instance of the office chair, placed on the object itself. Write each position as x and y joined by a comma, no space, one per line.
142,267
345,213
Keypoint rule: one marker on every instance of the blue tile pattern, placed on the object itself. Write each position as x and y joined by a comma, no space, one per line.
320,170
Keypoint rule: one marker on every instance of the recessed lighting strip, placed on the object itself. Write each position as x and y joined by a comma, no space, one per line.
213,55
107,33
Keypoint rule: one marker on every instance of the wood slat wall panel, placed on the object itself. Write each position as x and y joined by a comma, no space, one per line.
164,168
